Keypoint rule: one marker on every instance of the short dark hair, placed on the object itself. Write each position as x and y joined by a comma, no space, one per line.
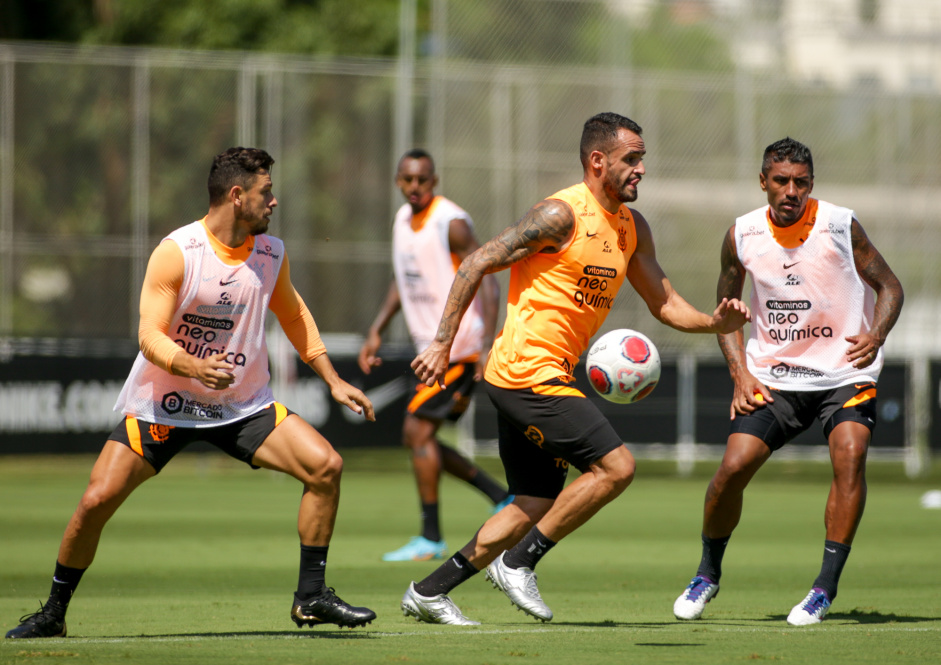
600,130
787,150
417,153
235,166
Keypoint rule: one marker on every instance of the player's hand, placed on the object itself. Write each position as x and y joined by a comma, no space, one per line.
863,350
481,366
749,395
367,354
730,315
431,364
212,371
353,398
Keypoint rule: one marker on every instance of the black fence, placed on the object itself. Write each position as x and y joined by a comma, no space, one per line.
59,400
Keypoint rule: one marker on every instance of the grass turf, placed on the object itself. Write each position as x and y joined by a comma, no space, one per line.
199,565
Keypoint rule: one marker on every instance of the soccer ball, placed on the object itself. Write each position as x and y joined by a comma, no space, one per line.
623,366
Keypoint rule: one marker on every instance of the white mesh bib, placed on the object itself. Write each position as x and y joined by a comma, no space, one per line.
220,308
424,271
804,302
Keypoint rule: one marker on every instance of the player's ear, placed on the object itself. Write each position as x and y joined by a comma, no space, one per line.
597,159
235,195
763,181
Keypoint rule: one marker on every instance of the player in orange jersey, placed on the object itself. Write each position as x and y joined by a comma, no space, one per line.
202,375
824,301
568,257
431,235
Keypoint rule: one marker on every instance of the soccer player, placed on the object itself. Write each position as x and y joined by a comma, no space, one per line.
202,375
568,257
430,237
823,301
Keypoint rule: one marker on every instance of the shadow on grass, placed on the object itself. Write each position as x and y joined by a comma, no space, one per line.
329,634
611,624
864,617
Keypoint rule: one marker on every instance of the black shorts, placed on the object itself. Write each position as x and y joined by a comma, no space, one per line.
433,403
793,411
544,429
159,443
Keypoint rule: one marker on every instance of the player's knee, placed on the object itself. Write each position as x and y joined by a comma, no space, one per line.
327,470
619,468
98,498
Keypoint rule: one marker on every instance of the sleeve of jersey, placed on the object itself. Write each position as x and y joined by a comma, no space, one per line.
159,293
295,319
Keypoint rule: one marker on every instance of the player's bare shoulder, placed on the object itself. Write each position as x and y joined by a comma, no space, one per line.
547,227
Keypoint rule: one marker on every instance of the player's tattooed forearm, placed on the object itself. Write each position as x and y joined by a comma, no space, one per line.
546,226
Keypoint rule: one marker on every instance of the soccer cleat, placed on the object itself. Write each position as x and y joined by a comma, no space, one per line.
327,607
693,600
497,507
418,548
519,584
49,621
811,610
433,609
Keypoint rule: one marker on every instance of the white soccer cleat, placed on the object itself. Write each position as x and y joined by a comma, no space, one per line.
692,601
811,610
519,584
433,609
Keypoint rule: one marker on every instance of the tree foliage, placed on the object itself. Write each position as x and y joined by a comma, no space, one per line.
332,27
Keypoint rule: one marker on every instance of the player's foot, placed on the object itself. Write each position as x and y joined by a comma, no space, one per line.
418,548
433,609
49,621
693,600
811,610
497,507
327,607
519,584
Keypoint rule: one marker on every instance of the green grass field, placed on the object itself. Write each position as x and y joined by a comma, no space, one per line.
200,564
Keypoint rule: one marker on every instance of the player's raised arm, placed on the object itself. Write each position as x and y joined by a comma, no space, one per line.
547,227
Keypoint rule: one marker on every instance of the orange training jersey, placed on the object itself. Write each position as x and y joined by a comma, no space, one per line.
556,302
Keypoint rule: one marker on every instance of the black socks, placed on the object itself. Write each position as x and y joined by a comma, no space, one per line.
310,580
834,558
445,577
713,549
64,582
527,552
430,525
489,486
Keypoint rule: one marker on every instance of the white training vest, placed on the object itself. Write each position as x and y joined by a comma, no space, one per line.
804,302
220,308
424,272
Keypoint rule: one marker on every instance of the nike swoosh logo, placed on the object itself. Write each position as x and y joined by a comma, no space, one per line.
57,580
829,550
381,397
221,283
865,385
592,235
457,564
788,267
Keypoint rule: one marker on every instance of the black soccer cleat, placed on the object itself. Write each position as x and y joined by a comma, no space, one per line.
49,621
327,607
